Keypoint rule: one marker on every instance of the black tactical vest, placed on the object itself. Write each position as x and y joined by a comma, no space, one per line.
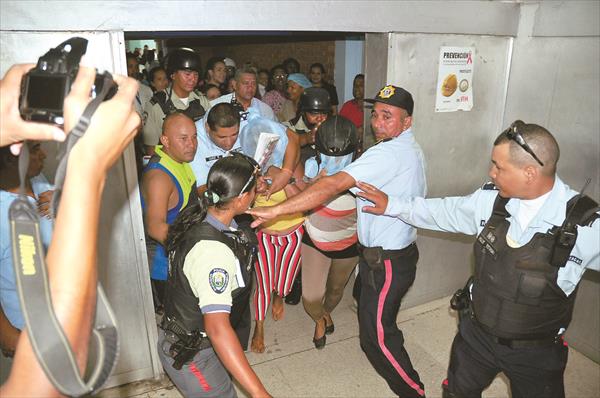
181,305
515,294
194,111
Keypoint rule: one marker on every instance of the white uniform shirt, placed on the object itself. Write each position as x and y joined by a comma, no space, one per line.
469,214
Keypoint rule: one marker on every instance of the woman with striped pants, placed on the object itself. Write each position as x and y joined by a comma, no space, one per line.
279,243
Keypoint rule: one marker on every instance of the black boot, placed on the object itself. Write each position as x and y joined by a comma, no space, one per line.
295,294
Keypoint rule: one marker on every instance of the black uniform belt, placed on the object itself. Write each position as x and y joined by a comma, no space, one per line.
184,346
522,343
375,258
199,344
365,251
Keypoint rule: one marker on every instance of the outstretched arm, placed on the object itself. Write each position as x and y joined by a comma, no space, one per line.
460,214
324,189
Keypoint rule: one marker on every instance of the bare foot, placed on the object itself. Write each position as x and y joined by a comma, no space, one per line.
277,307
258,338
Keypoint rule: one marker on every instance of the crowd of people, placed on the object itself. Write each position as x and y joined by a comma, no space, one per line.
190,127
222,214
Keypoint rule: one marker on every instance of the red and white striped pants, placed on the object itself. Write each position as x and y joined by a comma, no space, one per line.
277,266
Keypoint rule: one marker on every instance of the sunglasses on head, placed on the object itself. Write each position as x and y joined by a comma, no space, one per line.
513,133
252,163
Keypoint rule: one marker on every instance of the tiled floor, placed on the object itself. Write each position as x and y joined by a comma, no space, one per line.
292,367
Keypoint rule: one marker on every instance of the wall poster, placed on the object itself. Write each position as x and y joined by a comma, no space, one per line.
455,79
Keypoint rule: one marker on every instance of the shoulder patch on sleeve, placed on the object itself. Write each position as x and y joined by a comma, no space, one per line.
489,186
576,260
218,279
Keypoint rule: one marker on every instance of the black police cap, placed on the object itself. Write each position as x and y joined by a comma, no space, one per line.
395,96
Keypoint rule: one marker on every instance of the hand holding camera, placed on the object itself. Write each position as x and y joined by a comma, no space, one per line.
112,126
36,101
13,128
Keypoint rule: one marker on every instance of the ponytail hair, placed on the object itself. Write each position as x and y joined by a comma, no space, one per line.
227,179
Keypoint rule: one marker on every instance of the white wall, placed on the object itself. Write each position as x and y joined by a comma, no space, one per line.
456,145
349,59
493,17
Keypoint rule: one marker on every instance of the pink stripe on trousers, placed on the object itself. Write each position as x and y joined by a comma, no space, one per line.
381,334
200,377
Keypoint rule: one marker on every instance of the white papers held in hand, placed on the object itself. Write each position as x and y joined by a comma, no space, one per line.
264,148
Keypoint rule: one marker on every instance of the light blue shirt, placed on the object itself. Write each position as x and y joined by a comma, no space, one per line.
397,167
208,153
263,109
9,298
468,215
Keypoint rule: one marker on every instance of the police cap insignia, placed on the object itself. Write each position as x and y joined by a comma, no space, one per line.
386,92
218,280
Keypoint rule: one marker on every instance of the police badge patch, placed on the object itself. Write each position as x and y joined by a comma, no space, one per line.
218,280
387,92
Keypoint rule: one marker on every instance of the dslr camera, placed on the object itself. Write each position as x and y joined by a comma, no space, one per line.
45,87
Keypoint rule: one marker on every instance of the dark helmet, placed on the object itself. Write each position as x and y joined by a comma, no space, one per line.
336,137
182,58
315,99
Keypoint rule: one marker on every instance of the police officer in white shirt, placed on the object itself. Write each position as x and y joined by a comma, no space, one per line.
535,239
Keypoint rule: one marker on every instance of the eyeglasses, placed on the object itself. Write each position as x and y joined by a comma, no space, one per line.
256,170
513,133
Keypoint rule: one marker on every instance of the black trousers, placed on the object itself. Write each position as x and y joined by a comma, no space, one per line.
242,329
476,359
381,292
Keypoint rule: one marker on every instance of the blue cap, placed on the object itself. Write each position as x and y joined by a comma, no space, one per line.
300,79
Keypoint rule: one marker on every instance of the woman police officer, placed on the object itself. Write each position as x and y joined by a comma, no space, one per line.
208,286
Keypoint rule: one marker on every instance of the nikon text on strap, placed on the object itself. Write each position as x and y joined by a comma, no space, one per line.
48,340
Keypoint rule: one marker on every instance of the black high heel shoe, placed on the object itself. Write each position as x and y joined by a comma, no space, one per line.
320,342
329,329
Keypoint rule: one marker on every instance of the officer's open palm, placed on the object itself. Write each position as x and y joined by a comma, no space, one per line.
261,215
374,195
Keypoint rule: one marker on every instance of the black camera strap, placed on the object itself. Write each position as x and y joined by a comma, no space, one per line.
47,337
